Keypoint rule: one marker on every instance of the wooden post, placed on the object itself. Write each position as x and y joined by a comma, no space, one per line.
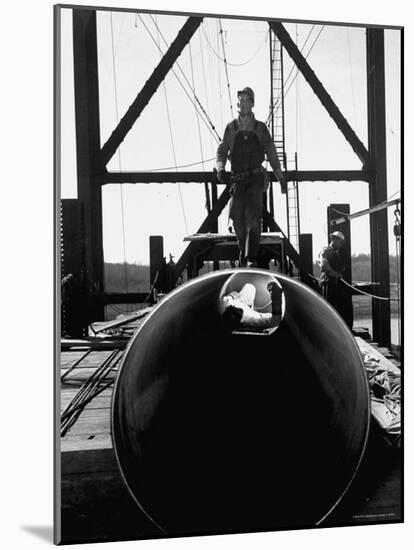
334,212
87,151
214,225
74,319
157,273
381,323
306,253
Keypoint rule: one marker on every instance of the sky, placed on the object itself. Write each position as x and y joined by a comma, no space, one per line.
169,132
27,228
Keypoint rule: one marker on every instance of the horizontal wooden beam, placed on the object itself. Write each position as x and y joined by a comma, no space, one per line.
201,177
321,93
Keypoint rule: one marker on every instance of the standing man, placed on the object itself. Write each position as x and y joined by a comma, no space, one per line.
333,264
245,142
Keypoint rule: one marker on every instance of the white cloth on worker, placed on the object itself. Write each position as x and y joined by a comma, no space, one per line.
244,300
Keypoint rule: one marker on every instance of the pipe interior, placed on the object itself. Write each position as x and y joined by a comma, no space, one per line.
221,432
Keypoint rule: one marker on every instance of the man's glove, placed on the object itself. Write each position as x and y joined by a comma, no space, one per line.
221,176
270,286
282,181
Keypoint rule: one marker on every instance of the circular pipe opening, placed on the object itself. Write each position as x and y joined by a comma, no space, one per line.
221,432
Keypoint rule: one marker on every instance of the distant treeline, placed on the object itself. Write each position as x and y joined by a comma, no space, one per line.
136,276
133,277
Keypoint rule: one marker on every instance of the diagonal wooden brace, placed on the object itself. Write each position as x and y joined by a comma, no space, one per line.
322,94
149,89
204,227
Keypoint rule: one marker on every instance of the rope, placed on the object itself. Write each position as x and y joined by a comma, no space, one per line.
397,252
350,72
195,109
207,203
202,161
297,107
235,64
205,84
263,307
209,124
91,387
306,57
152,286
368,294
373,208
219,79
119,159
278,100
275,104
226,69
172,138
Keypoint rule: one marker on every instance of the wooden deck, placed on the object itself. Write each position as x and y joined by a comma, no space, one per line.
96,505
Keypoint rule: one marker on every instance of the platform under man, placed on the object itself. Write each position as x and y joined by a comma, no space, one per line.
246,141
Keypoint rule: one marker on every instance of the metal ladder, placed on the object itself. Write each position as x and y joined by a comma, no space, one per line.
276,121
292,209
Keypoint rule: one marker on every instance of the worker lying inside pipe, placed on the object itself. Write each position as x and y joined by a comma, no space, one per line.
238,308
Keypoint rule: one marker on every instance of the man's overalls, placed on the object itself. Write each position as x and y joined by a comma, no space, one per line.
246,205
333,290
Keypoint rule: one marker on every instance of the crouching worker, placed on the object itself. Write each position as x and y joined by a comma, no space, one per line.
238,308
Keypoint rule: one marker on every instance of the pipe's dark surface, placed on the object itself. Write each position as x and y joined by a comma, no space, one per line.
216,432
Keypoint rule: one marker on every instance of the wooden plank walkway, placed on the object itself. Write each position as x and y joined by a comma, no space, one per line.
96,504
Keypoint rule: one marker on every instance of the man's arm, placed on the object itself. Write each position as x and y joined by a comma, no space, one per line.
326,266
222,153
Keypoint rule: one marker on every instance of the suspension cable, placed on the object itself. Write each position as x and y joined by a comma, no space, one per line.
351,74
397,233
297,98
384,204
212,79
367,293
195,109
306,57
279,98
172,139
228,62
202,161
207,203
226,69
219,78
119,158
207,120
205,83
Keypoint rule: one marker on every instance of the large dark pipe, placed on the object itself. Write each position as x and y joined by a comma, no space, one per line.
219,432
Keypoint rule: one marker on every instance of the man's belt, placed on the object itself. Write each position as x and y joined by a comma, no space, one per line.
239,176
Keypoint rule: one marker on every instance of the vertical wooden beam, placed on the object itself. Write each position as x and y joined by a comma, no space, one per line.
214,225
381,324
334,212
157,264
306,252
87,151
72,249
